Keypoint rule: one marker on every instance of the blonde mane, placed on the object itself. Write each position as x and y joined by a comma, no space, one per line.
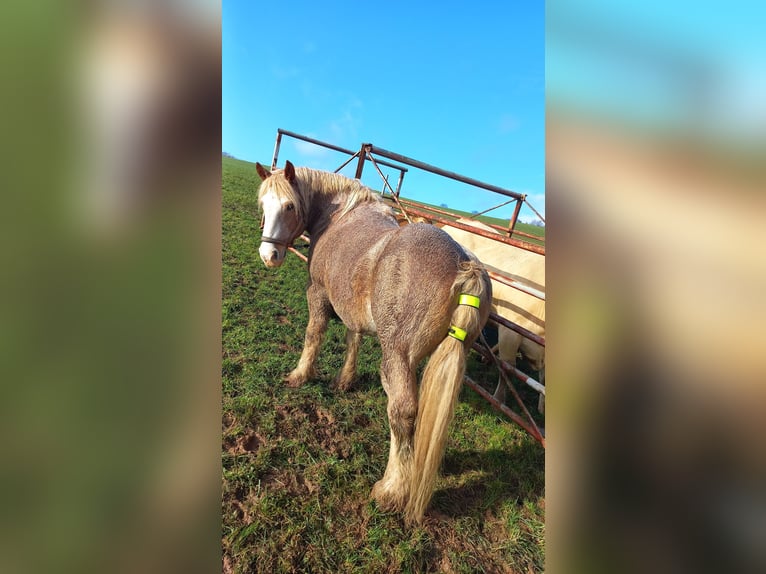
313,184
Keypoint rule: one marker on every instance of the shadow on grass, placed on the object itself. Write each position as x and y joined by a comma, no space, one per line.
488,479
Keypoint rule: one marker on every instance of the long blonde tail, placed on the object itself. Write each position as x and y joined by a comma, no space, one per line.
440,387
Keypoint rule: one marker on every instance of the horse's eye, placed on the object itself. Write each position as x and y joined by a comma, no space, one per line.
289,207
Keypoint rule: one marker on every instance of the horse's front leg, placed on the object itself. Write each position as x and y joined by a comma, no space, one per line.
319,315
348,372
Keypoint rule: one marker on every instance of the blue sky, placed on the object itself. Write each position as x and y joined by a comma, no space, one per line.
459,85
641,62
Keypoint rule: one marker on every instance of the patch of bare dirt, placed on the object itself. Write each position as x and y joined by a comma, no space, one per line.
317,424
249,442
289,480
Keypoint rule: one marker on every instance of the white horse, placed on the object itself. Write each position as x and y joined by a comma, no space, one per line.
518,307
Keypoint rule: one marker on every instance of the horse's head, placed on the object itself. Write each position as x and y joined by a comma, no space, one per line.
283,212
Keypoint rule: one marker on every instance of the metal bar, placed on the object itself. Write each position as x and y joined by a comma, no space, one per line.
502,230
533,209
348,161
522,376
484,349
315,141
484,233
538,436
298,253
475,215
360,164
519,285
385,181
522,233
399,183
495,318
443,172
515,216
430,208
276,150
525,378
334,147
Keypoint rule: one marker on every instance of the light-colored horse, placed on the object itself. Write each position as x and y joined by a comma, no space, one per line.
405,284
521,308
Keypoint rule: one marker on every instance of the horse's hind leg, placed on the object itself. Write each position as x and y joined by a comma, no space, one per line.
348,372
319,315
399,382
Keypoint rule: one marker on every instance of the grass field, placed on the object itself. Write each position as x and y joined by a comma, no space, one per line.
299,464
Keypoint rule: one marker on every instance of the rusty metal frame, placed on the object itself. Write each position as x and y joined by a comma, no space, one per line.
368,151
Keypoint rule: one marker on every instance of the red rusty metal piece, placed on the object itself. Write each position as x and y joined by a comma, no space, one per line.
532,430
427,207
298,253
501,229
348,161
523,234
531,382
393,194
521,286
483,232
281,132
515,216
537,213
486,352
397,157
494,317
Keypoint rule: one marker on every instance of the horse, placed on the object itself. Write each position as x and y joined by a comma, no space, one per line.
510,303
414,287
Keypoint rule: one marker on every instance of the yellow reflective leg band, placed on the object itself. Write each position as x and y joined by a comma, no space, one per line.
466,299
457,332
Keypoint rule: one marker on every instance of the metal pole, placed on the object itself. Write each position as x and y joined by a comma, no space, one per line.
518,285
515,216
535,432
276,150
495,236
399,183
497,319
537,213
484,350
348,161
333,147
362,156
492,225
438,171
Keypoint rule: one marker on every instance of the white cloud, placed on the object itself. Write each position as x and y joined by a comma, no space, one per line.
309,150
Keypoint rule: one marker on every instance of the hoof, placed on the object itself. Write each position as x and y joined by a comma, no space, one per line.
342,383
387,500
295,380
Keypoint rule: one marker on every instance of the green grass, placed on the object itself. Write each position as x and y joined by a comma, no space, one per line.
299,464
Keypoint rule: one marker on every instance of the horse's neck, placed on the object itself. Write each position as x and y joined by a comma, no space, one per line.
321,211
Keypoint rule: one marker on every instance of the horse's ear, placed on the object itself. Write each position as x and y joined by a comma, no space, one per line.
289,171
262,171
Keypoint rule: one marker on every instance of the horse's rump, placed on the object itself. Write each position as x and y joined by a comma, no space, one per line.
411,298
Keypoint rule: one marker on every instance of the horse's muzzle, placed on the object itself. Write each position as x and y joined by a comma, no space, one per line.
271,255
